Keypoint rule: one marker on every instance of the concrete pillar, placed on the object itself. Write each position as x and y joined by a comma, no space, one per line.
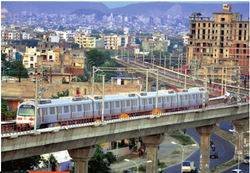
205,133
241,126
152,143
81,157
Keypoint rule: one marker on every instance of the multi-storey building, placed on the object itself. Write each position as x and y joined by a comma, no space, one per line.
221,45
11,35
85,41
30,58
155,44
111,41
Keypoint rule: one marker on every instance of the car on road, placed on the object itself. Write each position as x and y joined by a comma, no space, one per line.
246,159
236,171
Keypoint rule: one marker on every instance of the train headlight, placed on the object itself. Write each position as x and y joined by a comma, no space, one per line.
27,103
19,118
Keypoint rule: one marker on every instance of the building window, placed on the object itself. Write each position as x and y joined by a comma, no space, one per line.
222,19
31,59
50,57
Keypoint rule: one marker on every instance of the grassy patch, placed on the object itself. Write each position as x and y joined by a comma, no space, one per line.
175,152
184,140
223,166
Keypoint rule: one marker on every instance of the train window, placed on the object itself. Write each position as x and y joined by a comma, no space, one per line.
168,99
134,103
142,101
193,96
150,100
117,104
52,110
79,108
123,104
112,105
73,108
159,100
145,101
128,103
44,111
66,109
87,107
173,99
59,109
186,97
106,105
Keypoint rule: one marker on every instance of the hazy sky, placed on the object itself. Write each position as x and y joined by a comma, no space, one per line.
114,4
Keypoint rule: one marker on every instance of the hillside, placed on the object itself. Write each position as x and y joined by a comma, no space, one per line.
162,8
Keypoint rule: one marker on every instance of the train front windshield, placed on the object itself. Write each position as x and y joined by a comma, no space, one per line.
26,110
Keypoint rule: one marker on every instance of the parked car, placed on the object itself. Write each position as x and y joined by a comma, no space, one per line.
246,159
236,171
127,171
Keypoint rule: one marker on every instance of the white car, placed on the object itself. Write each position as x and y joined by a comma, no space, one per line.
236,171
246,159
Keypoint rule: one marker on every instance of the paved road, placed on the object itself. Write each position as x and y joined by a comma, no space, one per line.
224,148
243,167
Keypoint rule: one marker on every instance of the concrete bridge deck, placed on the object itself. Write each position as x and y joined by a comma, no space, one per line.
25,144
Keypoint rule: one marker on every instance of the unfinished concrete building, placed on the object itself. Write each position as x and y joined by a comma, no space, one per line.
221,45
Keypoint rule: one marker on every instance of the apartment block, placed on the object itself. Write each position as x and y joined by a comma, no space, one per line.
221,45
155,44
30,58
111,41
85,41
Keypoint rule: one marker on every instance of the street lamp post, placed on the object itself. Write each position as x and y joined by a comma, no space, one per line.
239,135
183,148
137,165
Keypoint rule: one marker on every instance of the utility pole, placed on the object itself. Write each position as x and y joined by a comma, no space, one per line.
222,73
160,57
170,62
143,57
238,90
103,95
36,93
20,73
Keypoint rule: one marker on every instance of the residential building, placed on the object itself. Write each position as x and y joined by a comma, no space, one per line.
85,41
155,44
30,58
111,41
221,45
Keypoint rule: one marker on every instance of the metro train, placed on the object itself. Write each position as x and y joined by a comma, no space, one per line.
50,112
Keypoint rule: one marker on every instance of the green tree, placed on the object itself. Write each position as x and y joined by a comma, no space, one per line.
3,57
110,157
62,94
3,105
97,57
30,43
97,163
107,55
24,164
81,78
15,68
